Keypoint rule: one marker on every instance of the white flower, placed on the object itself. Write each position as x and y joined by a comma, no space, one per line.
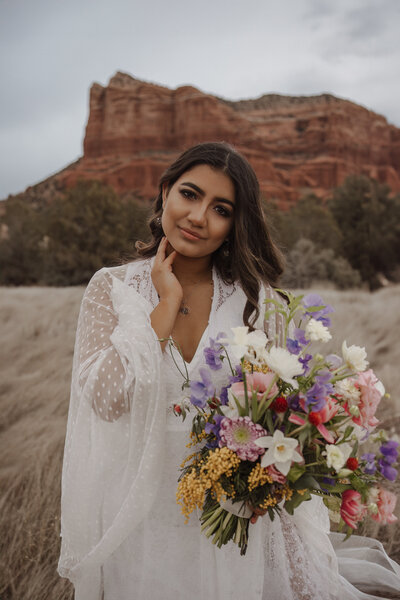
281,451
354,357
336,456
240,335
317,332
284,364
238,344
256,345
348,390
231,410
248,345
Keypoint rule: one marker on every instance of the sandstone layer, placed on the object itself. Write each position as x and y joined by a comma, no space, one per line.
295,144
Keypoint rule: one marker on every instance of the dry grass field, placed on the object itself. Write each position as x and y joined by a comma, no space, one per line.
37,336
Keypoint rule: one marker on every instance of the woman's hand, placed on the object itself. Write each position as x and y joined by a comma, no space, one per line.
164,280
169,290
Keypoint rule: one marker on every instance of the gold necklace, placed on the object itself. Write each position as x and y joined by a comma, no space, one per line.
184,308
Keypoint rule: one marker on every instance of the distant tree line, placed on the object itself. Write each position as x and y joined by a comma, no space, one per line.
352,239
65,241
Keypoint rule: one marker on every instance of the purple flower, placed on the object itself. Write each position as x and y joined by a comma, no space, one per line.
313,300
232,379
300,336
316,396
389,451
304,361
387,470
239,435
293,346
370,467
334,361
294,402
212,353
214,427
202,390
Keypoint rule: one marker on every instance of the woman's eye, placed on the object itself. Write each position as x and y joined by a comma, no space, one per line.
188,194
221,210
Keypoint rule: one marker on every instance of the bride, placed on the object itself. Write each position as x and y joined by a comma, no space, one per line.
209,266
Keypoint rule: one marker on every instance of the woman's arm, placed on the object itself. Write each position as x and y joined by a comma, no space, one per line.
106,375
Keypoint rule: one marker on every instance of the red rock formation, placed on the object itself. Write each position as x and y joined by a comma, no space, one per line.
295,144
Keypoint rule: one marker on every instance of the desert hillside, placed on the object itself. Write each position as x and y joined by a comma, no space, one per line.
296,144
38,328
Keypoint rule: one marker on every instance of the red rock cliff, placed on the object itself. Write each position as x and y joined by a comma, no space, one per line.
295,144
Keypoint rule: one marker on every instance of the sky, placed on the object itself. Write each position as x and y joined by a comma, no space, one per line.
51,51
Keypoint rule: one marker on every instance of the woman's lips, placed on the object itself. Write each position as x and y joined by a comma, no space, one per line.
190,235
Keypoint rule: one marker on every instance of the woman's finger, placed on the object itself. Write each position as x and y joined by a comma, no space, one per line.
162,246
170,259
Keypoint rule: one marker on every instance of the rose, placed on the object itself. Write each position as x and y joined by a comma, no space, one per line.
386,502
370,396
275,474
256,382
352,509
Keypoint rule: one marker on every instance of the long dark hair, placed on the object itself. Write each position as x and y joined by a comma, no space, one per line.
250,256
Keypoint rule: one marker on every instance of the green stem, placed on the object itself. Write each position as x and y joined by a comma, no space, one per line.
229,361
173,344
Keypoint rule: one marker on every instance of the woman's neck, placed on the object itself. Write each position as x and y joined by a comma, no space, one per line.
192,270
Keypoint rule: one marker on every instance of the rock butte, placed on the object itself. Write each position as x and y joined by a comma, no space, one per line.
295,144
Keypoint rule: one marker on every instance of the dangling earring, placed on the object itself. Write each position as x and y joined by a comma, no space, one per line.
158,221
225,250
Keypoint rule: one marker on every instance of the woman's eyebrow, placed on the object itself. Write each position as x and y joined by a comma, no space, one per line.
202,193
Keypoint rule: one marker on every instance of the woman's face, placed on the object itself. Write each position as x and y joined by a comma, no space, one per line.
198,211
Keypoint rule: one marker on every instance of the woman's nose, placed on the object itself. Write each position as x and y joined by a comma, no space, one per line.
198,214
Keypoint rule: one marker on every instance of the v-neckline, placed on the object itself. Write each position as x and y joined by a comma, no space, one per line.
189,365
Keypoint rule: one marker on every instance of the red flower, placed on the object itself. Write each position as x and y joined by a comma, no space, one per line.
214,402
352,463
315,418
279,405
352,509
177,409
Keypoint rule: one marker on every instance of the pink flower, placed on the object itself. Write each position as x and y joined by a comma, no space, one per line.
369,399
319,417
238,434
275,474
386,503
352,509
256,382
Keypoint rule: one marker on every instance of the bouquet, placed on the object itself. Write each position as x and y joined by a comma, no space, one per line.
288,423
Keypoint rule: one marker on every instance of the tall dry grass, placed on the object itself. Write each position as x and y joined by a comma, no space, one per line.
38,329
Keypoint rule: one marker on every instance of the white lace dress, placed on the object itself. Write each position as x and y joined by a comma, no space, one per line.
123,535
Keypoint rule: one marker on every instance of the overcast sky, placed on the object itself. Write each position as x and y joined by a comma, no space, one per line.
51,51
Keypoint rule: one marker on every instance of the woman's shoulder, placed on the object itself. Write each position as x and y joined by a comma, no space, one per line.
124,272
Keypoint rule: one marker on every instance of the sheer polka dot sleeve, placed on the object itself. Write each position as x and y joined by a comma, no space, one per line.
114,445
102,369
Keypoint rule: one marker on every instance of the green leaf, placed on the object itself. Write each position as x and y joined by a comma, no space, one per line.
296,471
306,481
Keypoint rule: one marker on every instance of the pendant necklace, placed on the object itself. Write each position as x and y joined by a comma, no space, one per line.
184,308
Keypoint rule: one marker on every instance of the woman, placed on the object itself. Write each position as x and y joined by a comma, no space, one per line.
209,266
